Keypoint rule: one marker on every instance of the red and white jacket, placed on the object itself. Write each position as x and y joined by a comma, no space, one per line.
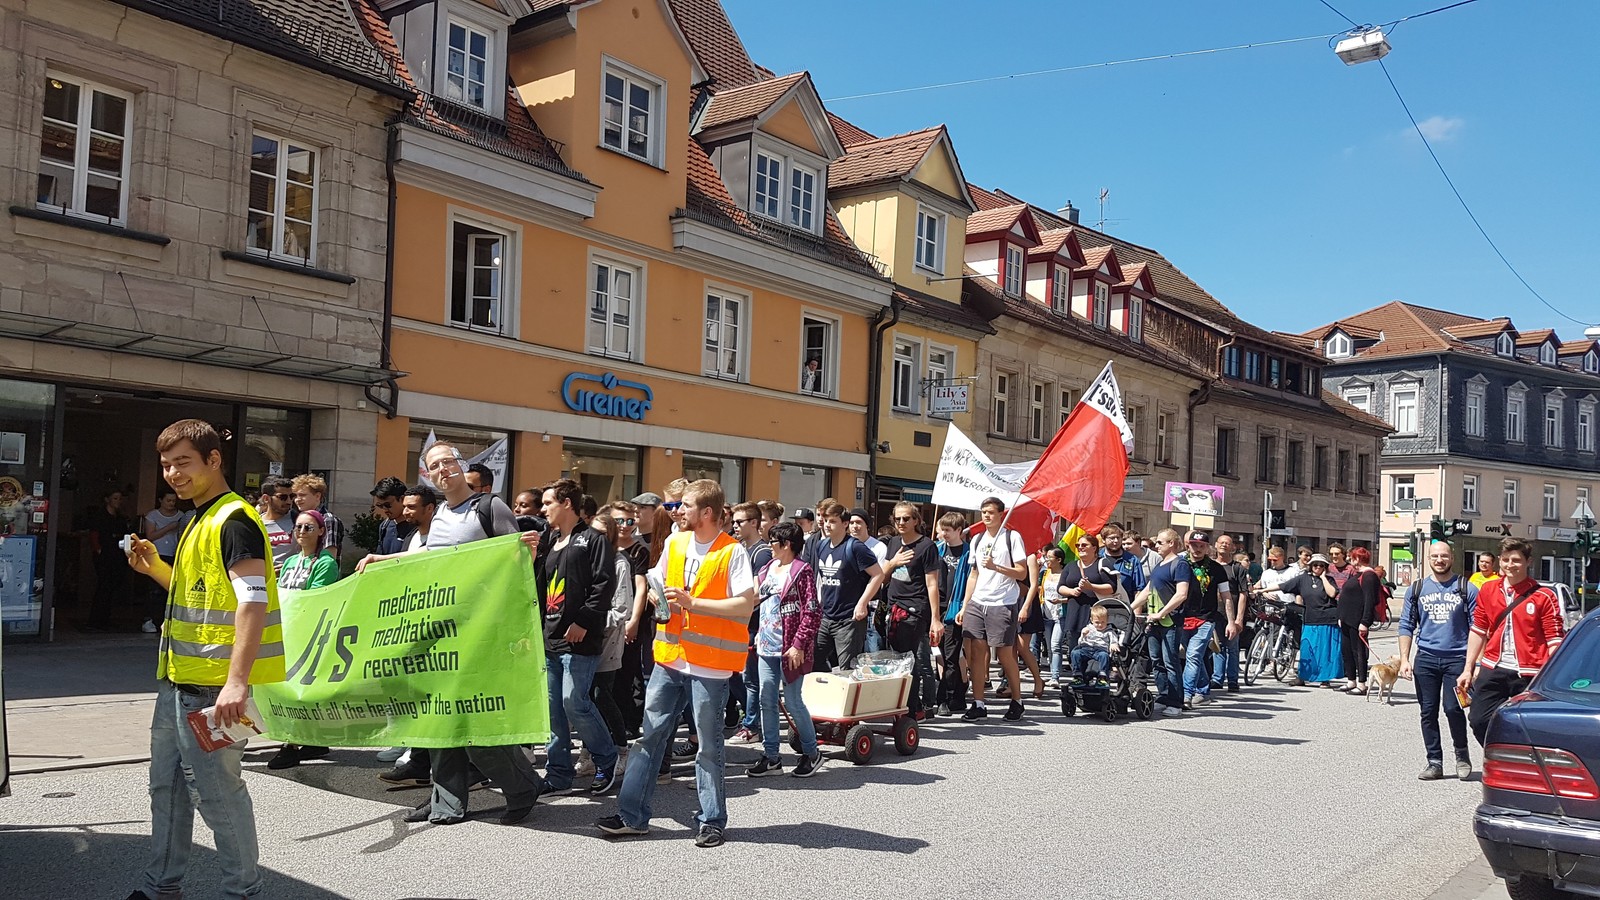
1536,623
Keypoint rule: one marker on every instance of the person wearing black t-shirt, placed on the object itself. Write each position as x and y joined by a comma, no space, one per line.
914,570
1207,611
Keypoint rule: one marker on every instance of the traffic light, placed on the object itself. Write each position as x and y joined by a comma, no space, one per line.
1586,543
1438,529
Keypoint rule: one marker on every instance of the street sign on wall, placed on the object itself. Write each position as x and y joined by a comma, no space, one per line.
947,398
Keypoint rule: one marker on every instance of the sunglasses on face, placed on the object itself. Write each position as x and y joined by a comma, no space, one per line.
905,518
627,523
672,505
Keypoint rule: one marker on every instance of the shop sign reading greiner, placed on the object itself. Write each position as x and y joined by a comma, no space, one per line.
606,403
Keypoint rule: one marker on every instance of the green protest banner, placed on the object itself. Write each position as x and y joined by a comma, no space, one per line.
435,649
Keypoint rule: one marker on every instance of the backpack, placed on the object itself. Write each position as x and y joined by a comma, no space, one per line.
1120,590
483,505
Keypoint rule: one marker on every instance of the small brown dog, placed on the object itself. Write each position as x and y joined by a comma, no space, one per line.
1381,678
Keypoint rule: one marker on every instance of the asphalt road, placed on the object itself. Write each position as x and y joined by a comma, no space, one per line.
1270,793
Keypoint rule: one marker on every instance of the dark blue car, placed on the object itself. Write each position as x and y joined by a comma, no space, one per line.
1539,823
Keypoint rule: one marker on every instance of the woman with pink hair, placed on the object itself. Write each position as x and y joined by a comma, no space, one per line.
1357,597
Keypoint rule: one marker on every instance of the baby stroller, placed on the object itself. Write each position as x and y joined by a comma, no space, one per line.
1127,686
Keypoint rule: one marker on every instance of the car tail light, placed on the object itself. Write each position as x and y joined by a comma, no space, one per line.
1538,770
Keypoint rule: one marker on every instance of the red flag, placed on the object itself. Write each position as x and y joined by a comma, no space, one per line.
1081,474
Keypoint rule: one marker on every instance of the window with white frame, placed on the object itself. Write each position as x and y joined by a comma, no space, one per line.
1102,304
1068,400
930,239
630,113
1002,402
725,332
802,197
1403,409
468,54
1515,420
941,366
1591,362
1504,345
1036,411
1163,439
1552,420
1061,291
818,362
1547,353
613,314
1014,265
478,283
903,375
768,187
1585,426
1339,345
1402,489
1469,493
83,149
1511,505
1552,503
1134,416
1473,418
1360,398
282,217
1136,319
1581,493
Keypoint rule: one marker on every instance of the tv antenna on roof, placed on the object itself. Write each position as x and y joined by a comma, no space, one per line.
1104,194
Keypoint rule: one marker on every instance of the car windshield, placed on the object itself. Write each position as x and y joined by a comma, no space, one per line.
1574,672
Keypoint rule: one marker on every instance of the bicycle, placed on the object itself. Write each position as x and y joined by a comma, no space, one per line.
1275,646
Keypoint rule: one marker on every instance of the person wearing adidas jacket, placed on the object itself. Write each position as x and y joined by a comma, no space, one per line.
1437,618
1515,625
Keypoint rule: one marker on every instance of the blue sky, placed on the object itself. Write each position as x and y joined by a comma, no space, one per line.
1287,184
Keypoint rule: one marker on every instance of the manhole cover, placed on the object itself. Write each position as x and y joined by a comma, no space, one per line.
56,795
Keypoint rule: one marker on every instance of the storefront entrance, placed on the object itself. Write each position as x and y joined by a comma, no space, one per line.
79,468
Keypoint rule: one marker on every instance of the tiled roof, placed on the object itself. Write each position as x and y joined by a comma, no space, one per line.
1093,257
1360,332
747,101
1480,328
883,159
1301,341
1131,273
322,30
942,310
989,199
1052,241
998,219
715,43
707,200
1535,338
849,133
1576,348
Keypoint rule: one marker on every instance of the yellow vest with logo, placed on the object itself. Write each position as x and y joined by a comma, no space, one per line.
703,638
197,639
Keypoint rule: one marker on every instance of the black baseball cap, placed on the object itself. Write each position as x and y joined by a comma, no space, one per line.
1203,537
804,512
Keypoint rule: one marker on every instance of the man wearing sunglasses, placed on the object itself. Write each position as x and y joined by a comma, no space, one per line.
279,519
914,569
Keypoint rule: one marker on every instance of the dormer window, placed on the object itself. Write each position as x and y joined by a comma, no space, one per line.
467,56
1102,304
784,190
631,112
1591,362
1013,285
930,240
1339,345
1061,291
1504,345
1136,320
1547,354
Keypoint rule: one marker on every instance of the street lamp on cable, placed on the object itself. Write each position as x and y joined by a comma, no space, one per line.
1362,45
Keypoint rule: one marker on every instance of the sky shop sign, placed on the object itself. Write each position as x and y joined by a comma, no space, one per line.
606,395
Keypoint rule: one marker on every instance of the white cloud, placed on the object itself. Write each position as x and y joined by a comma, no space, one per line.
1441,128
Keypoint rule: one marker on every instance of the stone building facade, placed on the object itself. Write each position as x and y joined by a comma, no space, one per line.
196,225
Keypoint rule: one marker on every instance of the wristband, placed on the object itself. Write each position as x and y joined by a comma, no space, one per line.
250,588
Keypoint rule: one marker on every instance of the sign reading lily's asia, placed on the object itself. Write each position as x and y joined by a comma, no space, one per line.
606,395
435,649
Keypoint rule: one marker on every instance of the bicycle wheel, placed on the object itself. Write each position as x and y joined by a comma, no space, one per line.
1255,661
1285,656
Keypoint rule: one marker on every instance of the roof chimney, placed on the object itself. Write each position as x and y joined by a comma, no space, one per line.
1069,212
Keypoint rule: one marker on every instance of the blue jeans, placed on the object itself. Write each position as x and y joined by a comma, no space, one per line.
1436,679
1060,646
771,684
570,675
182,777
665,698
1195,678
1166,660
1083,656
752,693
874,639
1225,665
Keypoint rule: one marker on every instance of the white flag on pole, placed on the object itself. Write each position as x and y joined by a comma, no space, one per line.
966,476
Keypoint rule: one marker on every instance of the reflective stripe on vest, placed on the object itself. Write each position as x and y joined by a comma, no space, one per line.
706,639
197,639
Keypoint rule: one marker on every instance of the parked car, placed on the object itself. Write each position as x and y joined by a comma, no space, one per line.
1571,609
1539,822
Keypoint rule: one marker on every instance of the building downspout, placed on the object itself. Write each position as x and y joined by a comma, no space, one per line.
390,404
880,324
1199,397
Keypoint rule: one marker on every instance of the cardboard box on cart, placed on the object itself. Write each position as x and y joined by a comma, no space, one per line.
833,696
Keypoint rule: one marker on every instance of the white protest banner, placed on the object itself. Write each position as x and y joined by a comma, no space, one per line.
494,457
966,476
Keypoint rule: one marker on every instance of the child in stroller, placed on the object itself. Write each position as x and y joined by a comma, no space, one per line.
1110,666
1091,659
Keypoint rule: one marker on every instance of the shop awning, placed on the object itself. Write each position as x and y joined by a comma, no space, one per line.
915,491
127,340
